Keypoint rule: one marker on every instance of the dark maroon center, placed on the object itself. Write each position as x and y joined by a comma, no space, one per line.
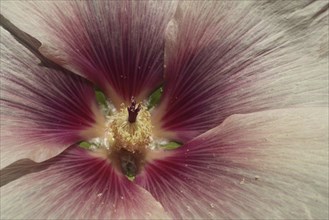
133,111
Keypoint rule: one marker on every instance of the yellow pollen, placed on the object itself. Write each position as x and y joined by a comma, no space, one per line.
131,136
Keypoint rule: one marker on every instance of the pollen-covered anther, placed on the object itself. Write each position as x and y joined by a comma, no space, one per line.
134,136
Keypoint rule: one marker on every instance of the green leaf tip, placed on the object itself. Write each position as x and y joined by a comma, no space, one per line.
155,97
171,145
85,144
101,98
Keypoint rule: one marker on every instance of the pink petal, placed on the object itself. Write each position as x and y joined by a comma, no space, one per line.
229,57
77,185
119,45
266,165
43,111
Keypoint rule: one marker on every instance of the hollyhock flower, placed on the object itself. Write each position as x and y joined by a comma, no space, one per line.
240,131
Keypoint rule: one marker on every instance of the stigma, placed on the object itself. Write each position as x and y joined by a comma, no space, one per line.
133,111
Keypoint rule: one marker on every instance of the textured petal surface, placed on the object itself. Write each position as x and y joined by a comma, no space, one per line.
307,20
266,165
231,57
77,185
119,45
43,111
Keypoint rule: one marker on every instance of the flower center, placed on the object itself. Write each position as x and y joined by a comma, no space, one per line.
128,136
128,131
128,139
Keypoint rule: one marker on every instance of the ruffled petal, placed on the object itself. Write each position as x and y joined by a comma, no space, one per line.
230,57
119,45
43,111
77,185
266,165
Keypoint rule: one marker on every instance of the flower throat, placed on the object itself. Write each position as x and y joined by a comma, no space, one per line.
127,138
131,130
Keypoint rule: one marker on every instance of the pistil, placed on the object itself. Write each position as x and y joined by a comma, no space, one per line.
133,111
130,132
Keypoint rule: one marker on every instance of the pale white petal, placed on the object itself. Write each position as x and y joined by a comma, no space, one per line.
77,185
43,111
266,165
234,57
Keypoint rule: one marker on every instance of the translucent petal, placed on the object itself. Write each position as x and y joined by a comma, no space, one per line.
119,45
266,165
77,185
232,57
43,111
